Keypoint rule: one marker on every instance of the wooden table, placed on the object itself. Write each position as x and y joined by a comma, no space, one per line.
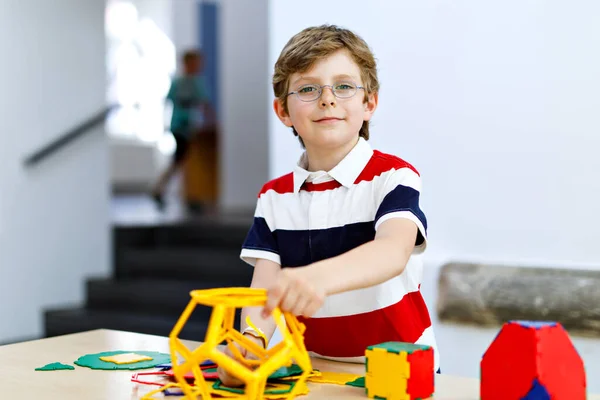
20,380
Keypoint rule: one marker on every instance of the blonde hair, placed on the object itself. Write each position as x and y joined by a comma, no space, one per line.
312,44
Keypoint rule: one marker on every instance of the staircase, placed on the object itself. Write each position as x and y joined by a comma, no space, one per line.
155,268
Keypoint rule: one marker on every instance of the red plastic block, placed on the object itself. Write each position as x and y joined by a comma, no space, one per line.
421,381
529,358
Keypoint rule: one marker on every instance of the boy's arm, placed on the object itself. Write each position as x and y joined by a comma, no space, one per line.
205,104
367,265
370,264
265,275
209,112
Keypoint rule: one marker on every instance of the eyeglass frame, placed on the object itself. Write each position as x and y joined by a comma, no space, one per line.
321,87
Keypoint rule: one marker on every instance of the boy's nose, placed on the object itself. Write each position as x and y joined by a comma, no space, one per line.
327,97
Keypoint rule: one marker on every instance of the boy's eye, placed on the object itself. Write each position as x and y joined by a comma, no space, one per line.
307,89
343,86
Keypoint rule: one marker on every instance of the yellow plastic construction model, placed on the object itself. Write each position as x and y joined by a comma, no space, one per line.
253,373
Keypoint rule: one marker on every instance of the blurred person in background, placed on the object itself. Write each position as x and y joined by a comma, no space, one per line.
192,112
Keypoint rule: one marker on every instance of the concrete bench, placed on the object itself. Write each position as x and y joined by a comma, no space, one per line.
491,295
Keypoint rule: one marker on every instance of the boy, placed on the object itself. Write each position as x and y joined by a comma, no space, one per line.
333,241
191,110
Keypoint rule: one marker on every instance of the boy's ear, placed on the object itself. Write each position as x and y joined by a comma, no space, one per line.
371,105
281,113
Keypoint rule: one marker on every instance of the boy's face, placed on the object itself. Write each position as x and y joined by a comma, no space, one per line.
327,122
193,65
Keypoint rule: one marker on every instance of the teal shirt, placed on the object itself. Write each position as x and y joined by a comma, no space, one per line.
187,93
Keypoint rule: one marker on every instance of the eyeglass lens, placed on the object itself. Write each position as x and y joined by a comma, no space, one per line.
313,91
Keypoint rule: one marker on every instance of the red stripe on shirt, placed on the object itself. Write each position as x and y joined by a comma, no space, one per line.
283,184
380,163
349,336
320,187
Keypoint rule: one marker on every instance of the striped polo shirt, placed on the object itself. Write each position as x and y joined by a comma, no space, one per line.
304,217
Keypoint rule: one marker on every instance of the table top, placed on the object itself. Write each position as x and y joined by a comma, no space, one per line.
20,380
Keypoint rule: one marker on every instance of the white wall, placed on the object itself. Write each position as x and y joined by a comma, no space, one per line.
244,85
159,11
186,28
178,19
496,103
162,28
54,225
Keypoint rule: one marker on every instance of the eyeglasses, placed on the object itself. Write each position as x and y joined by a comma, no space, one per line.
341,90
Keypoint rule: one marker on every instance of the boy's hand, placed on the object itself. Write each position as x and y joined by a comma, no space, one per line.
228,379
295,291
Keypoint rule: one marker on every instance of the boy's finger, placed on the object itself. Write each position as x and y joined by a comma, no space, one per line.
274,296
300,306
291,299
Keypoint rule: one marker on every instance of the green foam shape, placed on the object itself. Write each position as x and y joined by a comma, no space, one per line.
55,367
399,347
358,382
93,361
219,386
284,372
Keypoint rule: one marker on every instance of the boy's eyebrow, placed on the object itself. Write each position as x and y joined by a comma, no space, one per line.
313,78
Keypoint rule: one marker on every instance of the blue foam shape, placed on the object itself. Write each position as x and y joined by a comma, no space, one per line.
537,392
534,324
172,392
169,365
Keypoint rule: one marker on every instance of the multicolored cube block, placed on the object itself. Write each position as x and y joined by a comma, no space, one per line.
532,361
399,371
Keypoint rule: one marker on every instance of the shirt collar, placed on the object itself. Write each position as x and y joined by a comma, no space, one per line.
345,172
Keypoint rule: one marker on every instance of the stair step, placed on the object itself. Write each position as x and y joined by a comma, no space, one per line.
187,263
231,235
204,233
62,322
147,295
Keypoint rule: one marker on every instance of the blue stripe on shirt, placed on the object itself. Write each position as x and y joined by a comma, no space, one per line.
260,237
403,198
302,247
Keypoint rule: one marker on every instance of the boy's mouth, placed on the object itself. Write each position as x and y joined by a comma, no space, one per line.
328,119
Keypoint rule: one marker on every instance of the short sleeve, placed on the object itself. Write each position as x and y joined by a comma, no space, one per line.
399,198
260,241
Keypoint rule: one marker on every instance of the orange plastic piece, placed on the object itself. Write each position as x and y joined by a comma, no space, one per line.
336,378
126,358
253,373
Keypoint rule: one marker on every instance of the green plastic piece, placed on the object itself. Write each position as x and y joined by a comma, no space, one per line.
219,386
55,367
284,372
358,382
93,361
399,347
